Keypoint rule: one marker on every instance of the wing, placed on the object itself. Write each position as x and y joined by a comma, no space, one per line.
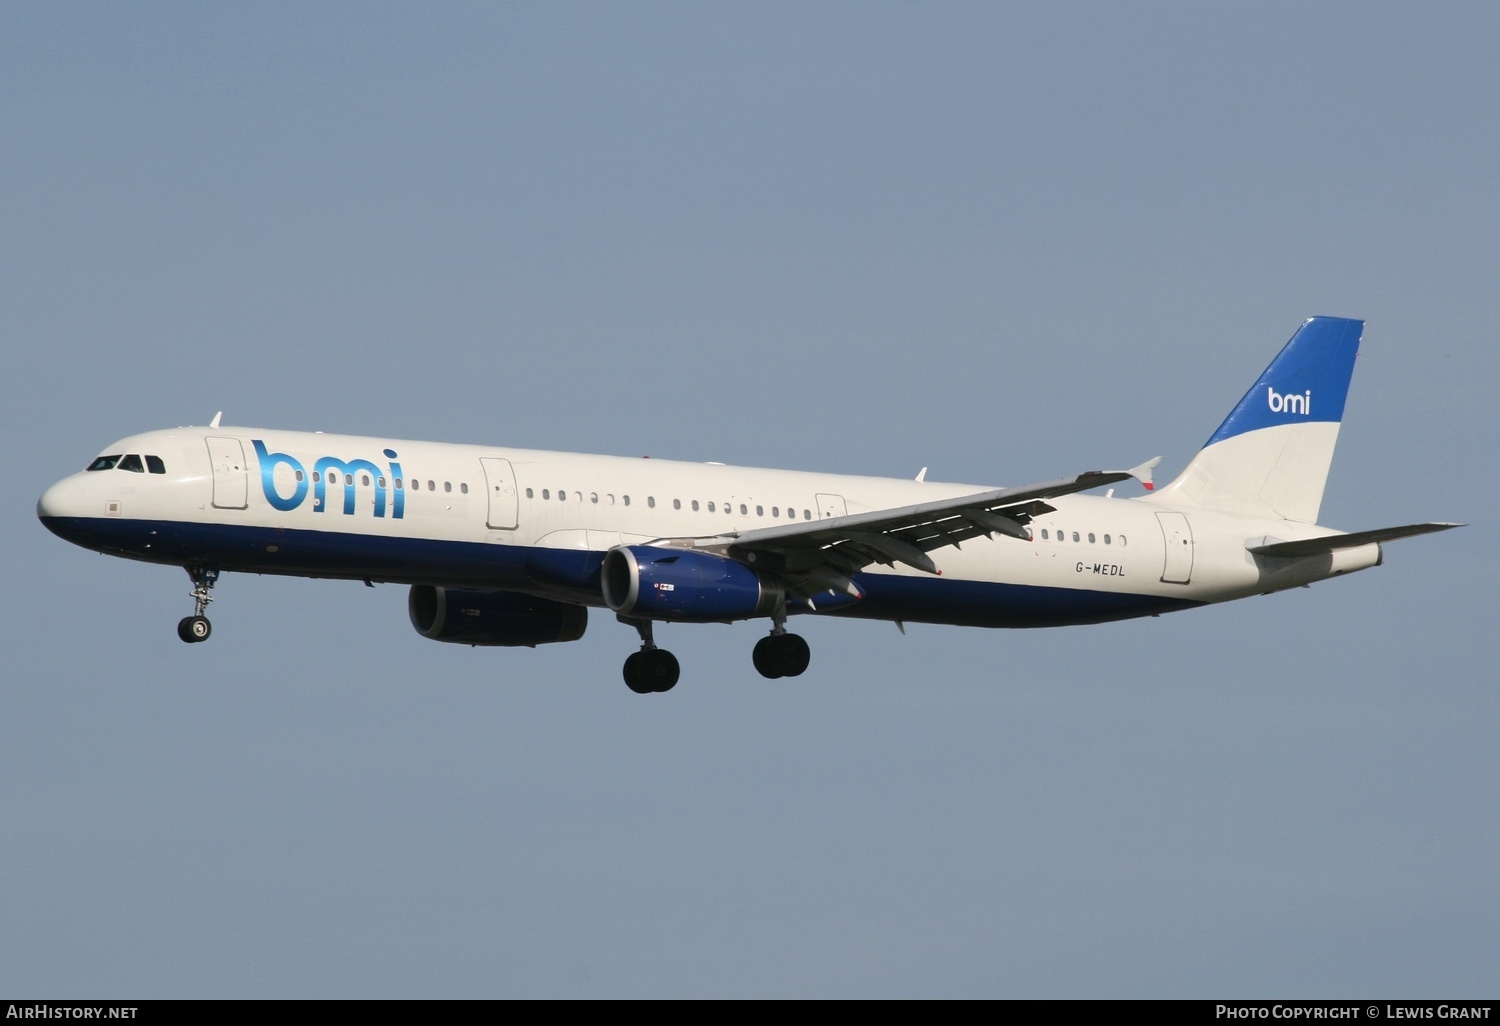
824,554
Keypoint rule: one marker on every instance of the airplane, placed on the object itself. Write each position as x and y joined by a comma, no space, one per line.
512,547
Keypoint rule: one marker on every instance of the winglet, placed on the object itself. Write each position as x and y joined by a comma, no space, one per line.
215,422
1143,473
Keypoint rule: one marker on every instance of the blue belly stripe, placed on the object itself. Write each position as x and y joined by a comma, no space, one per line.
567,574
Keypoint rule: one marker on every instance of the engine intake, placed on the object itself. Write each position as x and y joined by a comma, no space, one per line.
505,618
691,587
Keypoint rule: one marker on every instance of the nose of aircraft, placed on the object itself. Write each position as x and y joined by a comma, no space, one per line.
61,500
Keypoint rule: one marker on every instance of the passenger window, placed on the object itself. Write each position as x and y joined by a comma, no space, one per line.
611,497
807,514
1075,535
447,486
364,479
546,493
529,494
594,498
431,487
1044,534
743,510
1122,539
760,511
132,463
105,462
464,488
156,466
297,474
710,507
380,482
349,479
651,501
562,495
775,511
626,498
676,503
398,486
695,505
1106,539
1091,537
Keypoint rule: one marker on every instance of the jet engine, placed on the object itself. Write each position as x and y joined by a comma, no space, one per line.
653,583
493,617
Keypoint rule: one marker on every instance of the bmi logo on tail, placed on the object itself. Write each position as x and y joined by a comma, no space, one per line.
1289,403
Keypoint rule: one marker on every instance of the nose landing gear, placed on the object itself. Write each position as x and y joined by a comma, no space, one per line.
195,628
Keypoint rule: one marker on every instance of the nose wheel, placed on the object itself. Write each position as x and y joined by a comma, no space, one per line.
196,628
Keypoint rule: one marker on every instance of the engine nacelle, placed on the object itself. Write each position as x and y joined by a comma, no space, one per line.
493,617
678,584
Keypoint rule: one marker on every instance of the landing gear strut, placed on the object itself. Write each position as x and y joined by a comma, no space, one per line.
651,669
780,654
196,628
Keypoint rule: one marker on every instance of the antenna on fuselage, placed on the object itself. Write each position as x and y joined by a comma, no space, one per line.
215,422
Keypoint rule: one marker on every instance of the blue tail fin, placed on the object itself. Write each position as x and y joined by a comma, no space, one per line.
1271,455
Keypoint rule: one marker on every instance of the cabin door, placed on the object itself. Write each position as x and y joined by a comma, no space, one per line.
500,482
830,505
1178,568
231,487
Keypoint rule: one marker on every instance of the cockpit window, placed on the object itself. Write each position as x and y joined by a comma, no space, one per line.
155,465
105,462
132,463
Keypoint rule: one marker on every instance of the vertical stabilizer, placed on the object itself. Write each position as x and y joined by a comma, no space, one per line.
1271,455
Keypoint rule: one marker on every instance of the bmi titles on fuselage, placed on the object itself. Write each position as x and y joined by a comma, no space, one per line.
330,469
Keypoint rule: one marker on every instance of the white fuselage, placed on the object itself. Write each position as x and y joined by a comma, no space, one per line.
539,522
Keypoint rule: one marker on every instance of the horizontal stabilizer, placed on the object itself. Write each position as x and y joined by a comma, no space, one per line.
1322,546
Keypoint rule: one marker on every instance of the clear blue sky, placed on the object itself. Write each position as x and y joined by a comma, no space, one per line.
1007,243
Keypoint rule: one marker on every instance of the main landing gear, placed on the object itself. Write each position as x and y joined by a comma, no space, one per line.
651,669
780,654
195,628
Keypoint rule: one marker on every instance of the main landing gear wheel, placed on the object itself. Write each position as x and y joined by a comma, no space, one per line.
194,628
651,669
781,655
